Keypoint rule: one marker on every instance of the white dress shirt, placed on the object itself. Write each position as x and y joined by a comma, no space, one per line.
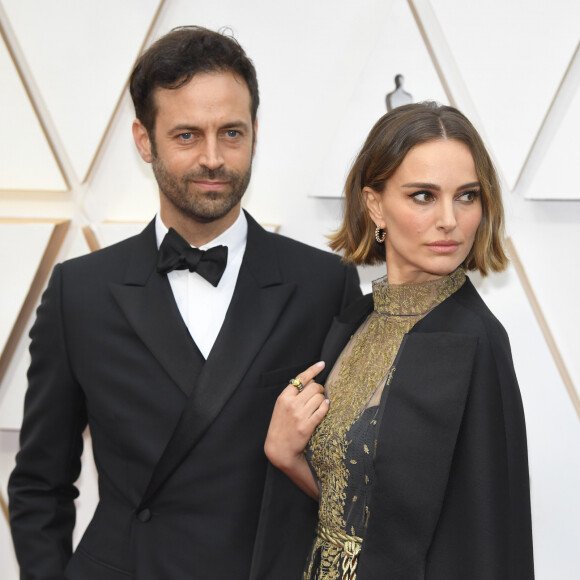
202,306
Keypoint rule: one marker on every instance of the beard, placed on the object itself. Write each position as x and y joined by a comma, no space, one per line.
194,202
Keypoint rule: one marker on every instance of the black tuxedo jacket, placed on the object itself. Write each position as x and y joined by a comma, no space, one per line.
451,499
177,440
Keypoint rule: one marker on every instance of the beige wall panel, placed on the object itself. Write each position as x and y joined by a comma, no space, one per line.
8,443
7,557
27,161
111,233
556,176
80,53
512,57
398,49
22,246
14,385
76,245
548,255
122,187
31,239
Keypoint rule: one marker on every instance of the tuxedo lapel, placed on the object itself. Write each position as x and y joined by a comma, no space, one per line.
417,434
258,301
146,299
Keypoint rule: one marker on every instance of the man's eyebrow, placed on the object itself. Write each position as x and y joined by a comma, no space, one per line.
185,127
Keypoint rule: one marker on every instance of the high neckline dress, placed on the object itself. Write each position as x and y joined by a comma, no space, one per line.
342,449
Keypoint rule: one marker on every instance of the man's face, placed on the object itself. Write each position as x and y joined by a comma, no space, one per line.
203,146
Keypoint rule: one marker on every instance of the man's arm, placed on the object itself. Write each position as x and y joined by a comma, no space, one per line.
41,490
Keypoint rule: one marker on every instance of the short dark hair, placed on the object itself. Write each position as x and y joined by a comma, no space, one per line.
175,58
389,141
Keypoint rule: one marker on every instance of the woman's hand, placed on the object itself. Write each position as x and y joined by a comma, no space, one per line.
296,415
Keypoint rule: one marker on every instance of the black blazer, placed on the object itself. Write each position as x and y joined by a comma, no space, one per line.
451,499
178,441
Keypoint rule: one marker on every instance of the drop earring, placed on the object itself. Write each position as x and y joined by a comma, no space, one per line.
380,234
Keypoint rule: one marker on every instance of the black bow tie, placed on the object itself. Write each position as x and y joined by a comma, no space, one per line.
176,254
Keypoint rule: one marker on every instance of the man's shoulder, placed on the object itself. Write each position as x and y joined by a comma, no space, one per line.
292,246
299,260
112,256
286,247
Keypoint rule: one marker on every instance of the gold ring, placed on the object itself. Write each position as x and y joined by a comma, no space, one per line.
297,383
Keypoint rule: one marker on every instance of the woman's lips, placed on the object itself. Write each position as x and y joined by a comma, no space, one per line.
444,246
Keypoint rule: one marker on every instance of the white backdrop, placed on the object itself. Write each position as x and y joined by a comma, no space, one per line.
66,155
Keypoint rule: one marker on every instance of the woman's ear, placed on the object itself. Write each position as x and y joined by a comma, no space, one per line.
374,205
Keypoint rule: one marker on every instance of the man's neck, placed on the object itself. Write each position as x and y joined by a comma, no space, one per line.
199,233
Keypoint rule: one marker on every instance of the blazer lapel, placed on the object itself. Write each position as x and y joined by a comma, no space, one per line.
147,301
342,328
258,301
416,440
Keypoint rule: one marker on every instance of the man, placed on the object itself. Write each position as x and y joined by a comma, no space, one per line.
175,375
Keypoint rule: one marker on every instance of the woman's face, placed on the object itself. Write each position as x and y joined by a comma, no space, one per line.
431,209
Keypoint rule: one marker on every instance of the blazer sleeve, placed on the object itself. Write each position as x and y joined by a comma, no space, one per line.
288,516
41,487
352,290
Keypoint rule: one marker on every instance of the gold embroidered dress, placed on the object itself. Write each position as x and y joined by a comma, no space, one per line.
341,450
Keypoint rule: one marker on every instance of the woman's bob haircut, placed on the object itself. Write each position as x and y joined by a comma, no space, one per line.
389,141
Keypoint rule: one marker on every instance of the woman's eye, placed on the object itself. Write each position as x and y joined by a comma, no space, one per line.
422,196
469,195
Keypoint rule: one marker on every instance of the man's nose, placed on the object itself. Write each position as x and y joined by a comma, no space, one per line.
211,156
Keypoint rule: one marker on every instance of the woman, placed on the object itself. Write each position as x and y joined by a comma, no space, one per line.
416,449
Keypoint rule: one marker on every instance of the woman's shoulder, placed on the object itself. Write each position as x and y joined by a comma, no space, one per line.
465,311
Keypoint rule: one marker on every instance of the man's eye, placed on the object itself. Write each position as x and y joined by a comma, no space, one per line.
232,133
186,136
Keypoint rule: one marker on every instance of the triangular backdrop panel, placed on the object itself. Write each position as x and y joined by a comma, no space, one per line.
7,557
13,387
512,83
552,424
556,176
541,251
27,163
122,186
80,77
399,49
22,247
110,233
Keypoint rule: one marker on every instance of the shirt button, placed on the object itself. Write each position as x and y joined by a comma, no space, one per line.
144,515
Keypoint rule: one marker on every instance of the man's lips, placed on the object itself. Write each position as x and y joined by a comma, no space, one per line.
210,184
